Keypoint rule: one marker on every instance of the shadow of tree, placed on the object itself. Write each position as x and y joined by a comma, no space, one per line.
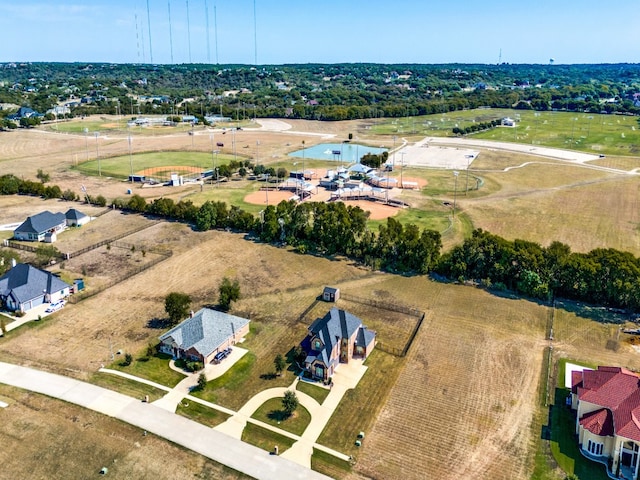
158,323
278,415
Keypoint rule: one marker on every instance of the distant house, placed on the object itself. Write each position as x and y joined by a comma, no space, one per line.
75,218
607,404
41,227
24,112
24,287
204,334
330,294
335,338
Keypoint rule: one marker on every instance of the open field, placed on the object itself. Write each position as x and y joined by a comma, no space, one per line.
47,438
610,134
474,369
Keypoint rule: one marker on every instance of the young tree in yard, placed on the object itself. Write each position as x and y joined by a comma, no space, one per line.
289,402
229,292
279,364
42,176
177,305
202,382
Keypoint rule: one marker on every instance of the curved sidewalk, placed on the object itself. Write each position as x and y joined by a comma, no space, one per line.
217,446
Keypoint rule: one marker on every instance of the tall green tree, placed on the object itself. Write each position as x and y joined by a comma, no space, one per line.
177,306
229,291
290,402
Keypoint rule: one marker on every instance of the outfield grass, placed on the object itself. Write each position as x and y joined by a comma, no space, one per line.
120,166
201,414
265,439
154,368
271,412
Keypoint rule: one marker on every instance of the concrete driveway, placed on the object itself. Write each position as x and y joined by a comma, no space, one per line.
201,439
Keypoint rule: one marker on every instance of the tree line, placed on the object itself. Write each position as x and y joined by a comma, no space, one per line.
606,277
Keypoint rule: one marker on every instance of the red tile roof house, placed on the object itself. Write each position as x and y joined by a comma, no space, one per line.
607,402
333,339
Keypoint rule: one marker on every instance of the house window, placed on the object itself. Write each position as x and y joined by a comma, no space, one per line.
317,345
595,448
319,371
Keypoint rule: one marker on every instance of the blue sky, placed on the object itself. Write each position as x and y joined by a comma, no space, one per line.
329,31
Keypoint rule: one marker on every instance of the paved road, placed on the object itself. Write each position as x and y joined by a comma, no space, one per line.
194,436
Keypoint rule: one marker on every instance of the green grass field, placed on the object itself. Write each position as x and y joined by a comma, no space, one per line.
607,134
271,412
121,166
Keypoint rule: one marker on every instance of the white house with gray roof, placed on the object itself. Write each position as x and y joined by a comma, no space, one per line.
205,333
335,338
75,218
38,228
24,287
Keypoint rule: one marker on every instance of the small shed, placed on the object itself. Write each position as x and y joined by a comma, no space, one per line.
75,218
330,294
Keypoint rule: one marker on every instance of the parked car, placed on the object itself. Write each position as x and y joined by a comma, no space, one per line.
55,306
221,355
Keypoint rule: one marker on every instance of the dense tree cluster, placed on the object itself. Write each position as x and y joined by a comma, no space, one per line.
11,185
602,276
319,92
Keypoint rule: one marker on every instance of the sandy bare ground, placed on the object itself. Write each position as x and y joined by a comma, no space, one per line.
270,197
377,210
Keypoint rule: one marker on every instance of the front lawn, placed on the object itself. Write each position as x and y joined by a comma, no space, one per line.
265,439
360,407
126,387
155,368
271,412
201,414
319,394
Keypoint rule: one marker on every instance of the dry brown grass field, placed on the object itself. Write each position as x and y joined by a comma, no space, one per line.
466,399
47,438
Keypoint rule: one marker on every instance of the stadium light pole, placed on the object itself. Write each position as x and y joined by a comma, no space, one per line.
455,191
303,159
213,158
130,154
86,142
266,189
466,188
257,152
97,134
402,170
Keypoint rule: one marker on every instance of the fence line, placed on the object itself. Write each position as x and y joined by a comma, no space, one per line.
88,294
67,256
413,335
19,246
394,307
